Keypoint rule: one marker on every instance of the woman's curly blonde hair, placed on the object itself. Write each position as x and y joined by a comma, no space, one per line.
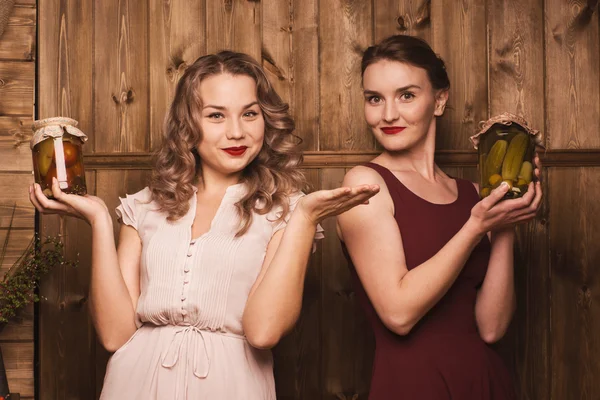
270,178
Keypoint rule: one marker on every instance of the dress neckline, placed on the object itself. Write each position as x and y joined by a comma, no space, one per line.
396,179
231,191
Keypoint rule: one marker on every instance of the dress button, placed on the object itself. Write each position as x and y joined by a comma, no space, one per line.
192,243
186,282
183,298
186,269
183,312
189,254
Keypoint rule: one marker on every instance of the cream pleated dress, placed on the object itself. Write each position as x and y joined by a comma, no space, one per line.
190,343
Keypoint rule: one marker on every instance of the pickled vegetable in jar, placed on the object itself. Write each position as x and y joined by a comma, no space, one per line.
56,148
506,147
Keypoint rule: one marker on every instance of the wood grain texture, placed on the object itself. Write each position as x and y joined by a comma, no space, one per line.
20,328
298,355
347,338
575,287
311,49
65,63
345,31
14,188
18,361
15,134
18,241
121,112
402,17
516,33
459,37
530,336
305,101
290,59
516,57
176,40
18,40
16,88
572,74
234,25
66,336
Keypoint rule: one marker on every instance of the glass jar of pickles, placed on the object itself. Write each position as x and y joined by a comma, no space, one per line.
506,148
57,153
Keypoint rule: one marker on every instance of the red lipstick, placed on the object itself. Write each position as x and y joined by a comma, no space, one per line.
392,130
235,151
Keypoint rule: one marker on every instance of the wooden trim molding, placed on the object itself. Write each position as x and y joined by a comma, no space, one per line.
333,159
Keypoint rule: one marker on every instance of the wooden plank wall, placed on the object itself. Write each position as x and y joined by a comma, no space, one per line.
17,83
113,65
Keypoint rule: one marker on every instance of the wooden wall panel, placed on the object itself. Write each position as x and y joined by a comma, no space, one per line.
572,73
16,87
305,102
402,17
18,39
458,35
234,25
516,34
347,351
574,264
345,30
67,334
15,134
516,54
17,80
14,189
18,360
18,237
121,112
175,41
21,327
114,65
290,59
65,63
299,353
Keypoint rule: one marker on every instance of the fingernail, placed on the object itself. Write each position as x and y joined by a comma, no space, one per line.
30,189
504,185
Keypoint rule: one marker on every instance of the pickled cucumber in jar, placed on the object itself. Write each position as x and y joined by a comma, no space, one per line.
506,149
57,153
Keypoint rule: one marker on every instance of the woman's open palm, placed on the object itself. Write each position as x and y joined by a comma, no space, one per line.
327,203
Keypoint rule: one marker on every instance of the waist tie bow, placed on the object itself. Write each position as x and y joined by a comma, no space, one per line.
201,361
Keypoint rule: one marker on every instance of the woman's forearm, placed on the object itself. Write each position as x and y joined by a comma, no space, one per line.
110,303
496,299
273,308
423,286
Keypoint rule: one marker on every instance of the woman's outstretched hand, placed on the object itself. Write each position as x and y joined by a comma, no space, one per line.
89,208
327,203
491,214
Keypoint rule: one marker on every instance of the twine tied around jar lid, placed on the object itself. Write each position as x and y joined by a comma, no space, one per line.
507,119
55,128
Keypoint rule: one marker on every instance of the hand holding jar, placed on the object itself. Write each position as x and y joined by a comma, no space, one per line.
506,147
57,153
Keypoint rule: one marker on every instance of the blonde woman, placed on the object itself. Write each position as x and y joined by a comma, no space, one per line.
209,271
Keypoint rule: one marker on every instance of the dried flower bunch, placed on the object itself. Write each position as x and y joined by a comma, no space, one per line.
17,287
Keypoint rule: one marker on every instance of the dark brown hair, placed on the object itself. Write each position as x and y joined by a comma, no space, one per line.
270,178
410,50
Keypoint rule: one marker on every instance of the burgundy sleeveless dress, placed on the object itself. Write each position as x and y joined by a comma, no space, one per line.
443,357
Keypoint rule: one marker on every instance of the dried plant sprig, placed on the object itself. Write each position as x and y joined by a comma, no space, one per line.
17,287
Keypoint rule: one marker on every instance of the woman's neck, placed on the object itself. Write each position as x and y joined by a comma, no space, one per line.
212,183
